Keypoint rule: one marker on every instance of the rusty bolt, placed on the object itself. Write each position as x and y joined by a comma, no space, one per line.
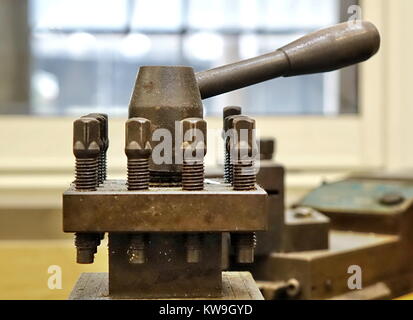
194,148
138,150
243,153
227,114
104,134
86,148
86,247
243,148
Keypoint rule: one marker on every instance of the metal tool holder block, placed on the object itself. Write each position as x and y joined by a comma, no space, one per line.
165,216
165,223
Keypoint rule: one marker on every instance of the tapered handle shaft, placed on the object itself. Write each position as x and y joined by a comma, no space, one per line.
326,50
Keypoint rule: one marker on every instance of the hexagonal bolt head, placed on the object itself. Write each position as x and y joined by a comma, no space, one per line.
194,135
244,142
86,138
104,127
138,136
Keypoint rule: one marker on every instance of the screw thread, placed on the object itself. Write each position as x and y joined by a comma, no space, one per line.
244,176
193,175
228,167
102,167
86,174
138,174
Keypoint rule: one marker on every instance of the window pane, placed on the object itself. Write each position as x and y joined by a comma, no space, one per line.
157,15
79,14
85,54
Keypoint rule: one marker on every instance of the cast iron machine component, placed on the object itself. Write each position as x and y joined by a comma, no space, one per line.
165,222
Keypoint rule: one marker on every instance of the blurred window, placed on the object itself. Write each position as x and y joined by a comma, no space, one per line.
86,54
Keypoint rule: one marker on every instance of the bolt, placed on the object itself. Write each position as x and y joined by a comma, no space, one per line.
104,134
244,247
266,149
243,151
228,113
193,248
194,150
87,145
86,148
138,150
392,199
136,250
86,247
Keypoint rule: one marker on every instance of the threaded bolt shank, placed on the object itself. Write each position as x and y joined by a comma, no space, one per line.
138,174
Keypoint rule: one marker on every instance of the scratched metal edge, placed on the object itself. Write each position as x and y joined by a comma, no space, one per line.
169,211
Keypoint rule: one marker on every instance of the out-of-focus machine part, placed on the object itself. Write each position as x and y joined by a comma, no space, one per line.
361,224
166,223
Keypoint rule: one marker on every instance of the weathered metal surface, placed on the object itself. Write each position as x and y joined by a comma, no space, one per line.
166,95
324,274
378,291
271,240
277,290
114,209
305,232
235,286
358,205
138,149
326,50
271,178
165,272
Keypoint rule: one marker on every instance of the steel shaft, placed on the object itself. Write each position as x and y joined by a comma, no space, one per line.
322,51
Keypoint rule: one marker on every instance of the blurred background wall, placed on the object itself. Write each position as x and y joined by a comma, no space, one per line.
61,59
